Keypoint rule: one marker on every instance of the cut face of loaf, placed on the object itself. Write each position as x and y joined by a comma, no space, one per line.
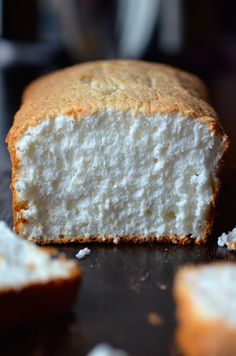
34,285
206,309
117,150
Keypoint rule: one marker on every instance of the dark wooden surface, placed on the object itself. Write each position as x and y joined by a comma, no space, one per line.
122,284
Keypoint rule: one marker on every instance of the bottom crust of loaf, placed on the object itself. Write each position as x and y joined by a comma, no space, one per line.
180,240
38,302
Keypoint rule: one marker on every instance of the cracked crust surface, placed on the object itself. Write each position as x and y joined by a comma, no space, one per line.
120,85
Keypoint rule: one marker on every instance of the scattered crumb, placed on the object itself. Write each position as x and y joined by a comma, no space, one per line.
162,286
116,240
104,349
155,319
228,240
82,253
143,278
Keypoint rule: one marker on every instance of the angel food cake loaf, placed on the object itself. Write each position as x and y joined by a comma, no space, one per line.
115,151
34,284
206,309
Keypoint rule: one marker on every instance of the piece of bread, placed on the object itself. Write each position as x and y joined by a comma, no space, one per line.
115,151
206,309
105,349
228,240
35,284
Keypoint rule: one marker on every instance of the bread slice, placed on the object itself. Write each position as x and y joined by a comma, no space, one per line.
228,240
105,349
35,284
206,309
115,151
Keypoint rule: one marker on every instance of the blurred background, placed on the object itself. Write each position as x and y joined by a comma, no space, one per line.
38,36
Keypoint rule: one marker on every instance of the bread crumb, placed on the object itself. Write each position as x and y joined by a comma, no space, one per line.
228,239
82,253
104,349
155,319
162,286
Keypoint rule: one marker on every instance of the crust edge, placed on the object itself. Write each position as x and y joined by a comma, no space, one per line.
196,336
38,301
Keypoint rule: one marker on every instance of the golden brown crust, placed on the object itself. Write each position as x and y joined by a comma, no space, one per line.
38,301
181,240
120,85
195,335
232,246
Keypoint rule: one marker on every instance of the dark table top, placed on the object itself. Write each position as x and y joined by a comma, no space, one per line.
122,285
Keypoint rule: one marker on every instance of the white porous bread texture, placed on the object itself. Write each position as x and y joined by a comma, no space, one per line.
206,309
114,175
228,240
22,263
121,166
28,276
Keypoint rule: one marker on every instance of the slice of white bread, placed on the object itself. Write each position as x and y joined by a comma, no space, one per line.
228,240
116,151
206,309
34,284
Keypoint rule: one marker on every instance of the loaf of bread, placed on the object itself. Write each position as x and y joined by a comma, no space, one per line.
115,151
34,284
206,309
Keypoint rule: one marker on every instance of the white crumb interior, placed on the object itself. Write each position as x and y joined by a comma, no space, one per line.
22,263
228,239
212,292
117,175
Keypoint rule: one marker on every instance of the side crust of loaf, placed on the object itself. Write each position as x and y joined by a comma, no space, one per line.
196,336
38,301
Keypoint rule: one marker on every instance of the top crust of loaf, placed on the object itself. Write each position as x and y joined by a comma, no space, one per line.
120,85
